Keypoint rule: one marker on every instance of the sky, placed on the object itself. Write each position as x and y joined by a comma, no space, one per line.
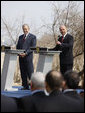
35,12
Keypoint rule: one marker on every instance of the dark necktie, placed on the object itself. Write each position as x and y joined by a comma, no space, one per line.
24,37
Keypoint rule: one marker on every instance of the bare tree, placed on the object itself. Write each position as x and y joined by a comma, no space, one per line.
67,13
11,29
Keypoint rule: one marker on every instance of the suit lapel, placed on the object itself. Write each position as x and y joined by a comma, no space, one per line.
65,37
28,35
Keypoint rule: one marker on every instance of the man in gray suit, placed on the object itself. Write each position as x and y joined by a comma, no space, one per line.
26,41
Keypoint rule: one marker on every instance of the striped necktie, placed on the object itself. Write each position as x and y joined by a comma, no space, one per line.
24,37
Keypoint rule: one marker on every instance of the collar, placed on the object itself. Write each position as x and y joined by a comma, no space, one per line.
35,91
68,90
65,35
46,93
55,92
26,35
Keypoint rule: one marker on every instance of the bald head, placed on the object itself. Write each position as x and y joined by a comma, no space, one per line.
63,29
54,79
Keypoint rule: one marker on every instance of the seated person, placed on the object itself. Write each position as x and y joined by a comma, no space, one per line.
8,104
37,88
55,102
70,84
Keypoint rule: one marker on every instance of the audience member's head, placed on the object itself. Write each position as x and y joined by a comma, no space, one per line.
71,79
37,81
53,81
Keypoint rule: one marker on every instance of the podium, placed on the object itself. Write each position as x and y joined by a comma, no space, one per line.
45,58
45,61
9,66
44,64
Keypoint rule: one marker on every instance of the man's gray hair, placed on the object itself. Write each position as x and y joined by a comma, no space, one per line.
25,25
38,80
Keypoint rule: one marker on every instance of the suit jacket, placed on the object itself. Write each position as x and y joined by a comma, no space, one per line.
25,45
27,61
27,102
75,95
66,57
8,104
55,102
58,102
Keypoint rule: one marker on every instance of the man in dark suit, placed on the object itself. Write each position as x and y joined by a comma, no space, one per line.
26,41
55,102
65,44
37,88
70,85
8,104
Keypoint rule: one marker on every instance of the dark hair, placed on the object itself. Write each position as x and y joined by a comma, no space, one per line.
54,79
72,79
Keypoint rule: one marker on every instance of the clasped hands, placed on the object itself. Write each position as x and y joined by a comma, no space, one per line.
22,55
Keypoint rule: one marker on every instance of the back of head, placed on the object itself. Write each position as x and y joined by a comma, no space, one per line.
54,79
38,80
72,79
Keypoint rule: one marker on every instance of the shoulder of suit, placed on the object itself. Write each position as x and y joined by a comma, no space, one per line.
26,97
21,36
69,35
32,35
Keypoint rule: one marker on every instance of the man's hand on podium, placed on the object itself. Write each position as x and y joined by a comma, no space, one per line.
58,43
22,55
